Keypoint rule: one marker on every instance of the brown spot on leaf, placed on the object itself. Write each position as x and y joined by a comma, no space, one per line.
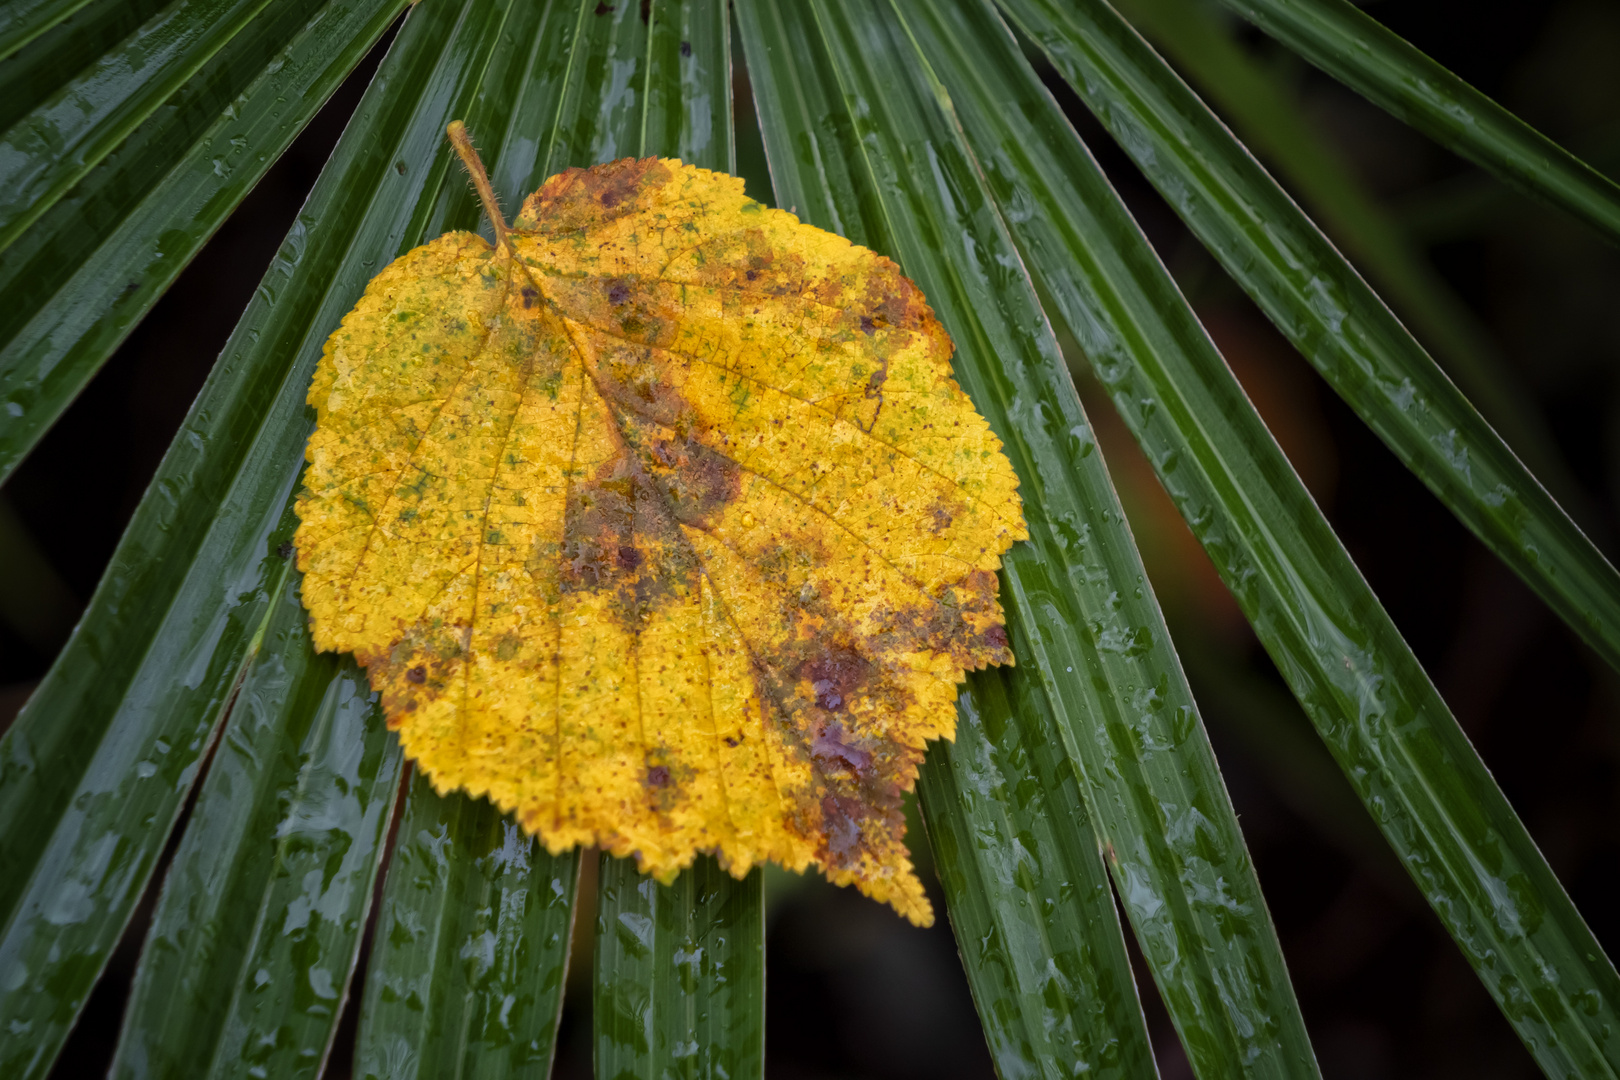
620,536
834,676
892,301
578,199
632,377
841,826
603,8
868,327
832,744
417,674
977,591
596,524
699,482
686,48
874,392
618,293
874,383
530,294
658,776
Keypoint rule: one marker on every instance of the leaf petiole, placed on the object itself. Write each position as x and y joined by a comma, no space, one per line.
475,168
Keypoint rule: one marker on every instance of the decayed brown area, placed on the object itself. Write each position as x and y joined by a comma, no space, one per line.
666,528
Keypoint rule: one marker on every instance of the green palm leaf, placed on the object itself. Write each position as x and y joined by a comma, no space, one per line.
248,958
1356,50
471,948
153,162
680,973
916,128
1332,317
1080,613
1257,101
26,20
1341,654
152,664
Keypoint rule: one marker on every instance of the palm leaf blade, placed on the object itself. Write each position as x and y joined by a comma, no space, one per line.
248,960
1333,318
91,264
97,109
153,662
1261,106
1080,615
1381,66
471,948
680,973
24,20
1028,893
1344,658
60,51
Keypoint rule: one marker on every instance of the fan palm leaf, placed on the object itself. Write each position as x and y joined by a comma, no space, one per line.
921,130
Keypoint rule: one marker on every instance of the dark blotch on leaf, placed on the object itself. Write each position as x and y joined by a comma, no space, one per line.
658,777
285,550
530,294
603,9
834,676
417,674
830,744
618,293
874,384
631,378
868,327
701,480
843,831
620,539
596,524
686,48
575,199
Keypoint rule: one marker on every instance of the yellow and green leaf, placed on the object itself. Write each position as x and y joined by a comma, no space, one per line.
661,522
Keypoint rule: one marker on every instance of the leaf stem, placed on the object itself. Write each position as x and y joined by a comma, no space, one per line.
475,168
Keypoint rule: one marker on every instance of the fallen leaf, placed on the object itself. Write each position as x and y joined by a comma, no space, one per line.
661,522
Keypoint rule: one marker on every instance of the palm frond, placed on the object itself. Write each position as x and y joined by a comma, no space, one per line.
132,130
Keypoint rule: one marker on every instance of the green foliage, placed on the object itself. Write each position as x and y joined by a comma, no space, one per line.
919,129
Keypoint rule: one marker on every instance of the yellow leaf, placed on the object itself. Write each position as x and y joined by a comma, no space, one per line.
662,523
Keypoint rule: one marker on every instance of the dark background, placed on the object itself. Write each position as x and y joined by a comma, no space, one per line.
853,990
